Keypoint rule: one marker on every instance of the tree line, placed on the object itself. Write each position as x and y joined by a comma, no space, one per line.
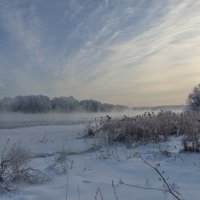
41,103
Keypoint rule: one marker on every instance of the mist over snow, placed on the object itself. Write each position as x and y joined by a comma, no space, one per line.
130,52
99,99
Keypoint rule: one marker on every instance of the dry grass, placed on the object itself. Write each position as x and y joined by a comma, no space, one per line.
151,127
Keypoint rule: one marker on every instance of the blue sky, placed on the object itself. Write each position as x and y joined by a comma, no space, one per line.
132,52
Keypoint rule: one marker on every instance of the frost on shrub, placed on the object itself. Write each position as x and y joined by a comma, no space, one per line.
148,127
190,128
151,127
14,168
61,162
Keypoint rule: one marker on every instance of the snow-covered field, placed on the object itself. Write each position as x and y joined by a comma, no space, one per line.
92,175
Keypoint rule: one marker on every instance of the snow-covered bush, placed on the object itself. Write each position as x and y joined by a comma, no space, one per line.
189,125
60,161
14,168
148,127
151,127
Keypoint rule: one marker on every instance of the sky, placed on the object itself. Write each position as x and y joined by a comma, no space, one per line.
130,52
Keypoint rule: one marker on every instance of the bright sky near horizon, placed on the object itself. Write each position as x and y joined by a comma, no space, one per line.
131,52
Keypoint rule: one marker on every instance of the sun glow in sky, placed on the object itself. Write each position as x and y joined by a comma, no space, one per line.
131,52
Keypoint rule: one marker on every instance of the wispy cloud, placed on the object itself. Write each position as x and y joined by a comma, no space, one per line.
23,26
135,52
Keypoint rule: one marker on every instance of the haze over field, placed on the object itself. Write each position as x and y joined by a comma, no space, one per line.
99,99
130,52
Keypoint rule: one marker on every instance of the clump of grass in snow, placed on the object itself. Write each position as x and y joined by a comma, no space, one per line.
148,127
151,127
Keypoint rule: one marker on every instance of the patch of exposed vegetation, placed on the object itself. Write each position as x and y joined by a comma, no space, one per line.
152,127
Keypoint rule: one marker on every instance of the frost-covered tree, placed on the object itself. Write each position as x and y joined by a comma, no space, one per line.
40,103
65,104
6,104
193,100
32,104
91,105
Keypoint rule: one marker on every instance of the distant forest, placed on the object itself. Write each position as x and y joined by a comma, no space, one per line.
42,104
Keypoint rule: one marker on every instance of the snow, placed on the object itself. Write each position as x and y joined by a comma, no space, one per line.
45,139
92,170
